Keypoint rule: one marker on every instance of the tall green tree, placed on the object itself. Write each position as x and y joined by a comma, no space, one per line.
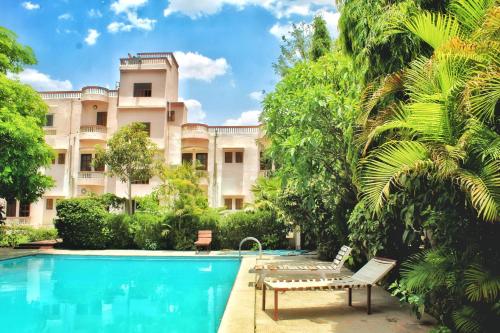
23,151
309,121
129,156
295,47
321,43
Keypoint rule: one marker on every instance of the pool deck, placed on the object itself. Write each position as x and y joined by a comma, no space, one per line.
302,311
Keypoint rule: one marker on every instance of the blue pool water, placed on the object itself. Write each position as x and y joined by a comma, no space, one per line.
81,294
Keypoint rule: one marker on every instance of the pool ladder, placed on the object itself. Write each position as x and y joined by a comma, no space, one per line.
255,240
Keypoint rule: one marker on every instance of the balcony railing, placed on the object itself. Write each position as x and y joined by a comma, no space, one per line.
195,131
94,90
91,178
93,132
93,129
14,221
60,94
234,130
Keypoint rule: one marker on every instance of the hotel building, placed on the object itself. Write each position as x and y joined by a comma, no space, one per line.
228,156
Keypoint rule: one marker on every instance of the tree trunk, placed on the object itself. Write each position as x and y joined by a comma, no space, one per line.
129,208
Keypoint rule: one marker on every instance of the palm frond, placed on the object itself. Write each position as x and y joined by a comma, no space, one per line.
382,168
373,94
465,320
481,285
470,13
420,84
490,28
433,28
482,95
431,121
483,189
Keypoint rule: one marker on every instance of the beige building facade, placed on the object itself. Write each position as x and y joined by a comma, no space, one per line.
229,156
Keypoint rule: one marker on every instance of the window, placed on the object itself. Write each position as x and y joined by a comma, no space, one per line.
228,157
61,158
11,208
142,89
171,115
140,181
238,203
148,128
102,118
49,203
53,160
86,162
49,120
239,157
228,202
24,209
202,159
187,158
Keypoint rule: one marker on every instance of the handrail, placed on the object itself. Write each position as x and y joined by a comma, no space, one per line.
250,238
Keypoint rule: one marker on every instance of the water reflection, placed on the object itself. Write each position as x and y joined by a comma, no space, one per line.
75,294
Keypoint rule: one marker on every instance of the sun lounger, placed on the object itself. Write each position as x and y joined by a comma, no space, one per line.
322,269
371,273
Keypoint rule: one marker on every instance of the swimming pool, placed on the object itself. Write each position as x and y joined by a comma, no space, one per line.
60,293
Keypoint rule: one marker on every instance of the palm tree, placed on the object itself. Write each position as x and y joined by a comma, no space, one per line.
438,116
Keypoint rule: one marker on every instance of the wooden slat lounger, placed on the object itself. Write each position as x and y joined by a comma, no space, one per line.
333,268
371,273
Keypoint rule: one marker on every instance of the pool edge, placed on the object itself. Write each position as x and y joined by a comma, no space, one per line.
239,314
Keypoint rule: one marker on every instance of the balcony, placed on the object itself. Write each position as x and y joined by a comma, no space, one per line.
195,131
93,132
95,94
158,60
95,178
50,131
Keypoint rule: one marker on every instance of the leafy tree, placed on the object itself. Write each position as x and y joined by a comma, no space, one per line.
309,120
447,127
321,41
294,49
13,56
130,156
180,191
23,151
362,33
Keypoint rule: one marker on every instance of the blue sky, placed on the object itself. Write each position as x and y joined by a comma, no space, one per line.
225,47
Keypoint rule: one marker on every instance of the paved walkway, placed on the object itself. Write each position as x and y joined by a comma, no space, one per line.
327,311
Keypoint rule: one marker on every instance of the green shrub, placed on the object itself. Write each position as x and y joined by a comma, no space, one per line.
81,223
120,231
149,231
261,224
11,236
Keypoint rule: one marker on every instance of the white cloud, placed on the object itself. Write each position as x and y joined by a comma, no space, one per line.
195,110
257,95
123,6
30,5
279,30
65,16
95,13
40,81
279,8
133,21
332,22
246,118
193,65
92,36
